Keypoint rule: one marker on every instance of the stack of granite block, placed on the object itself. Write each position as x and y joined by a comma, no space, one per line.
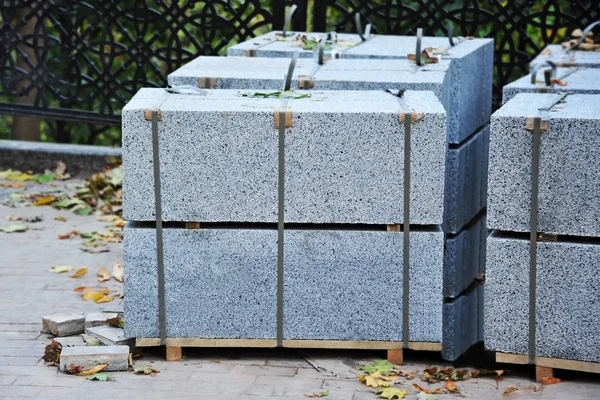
343,184
567,307
567,59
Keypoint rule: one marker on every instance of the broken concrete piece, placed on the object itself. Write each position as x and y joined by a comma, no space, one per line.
117,357
70,341
109,336
65,324
98,319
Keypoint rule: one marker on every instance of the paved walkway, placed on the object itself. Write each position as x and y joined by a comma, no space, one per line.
28,291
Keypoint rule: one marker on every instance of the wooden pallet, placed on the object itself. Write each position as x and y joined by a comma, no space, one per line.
394,349
545,366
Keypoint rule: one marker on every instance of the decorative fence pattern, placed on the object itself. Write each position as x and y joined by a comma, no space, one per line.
75,61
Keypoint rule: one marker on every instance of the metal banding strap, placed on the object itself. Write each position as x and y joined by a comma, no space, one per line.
363,35
451,33
418,50
548,79
162,323
290,73
280,218
321,50
288,20
406,247
587,30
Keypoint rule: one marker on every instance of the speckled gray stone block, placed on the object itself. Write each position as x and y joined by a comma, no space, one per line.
580,81
574,58
218,283
337,283
63,324
463,323
567,301
88,357
569,199
219,158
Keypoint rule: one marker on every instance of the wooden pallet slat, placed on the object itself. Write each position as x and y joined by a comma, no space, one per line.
546,365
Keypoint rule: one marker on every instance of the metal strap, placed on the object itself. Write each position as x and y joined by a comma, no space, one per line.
406,248
288,78
418,51
587,30
280,220
288,20
162,323
537,67
535,171
321,50
451,33
367,32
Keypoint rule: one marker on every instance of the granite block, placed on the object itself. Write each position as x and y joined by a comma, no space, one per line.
569,199
110,336
464,257
567,302
580,81
88,357
219,158
347,285
463,318
218,283
63,324
98,319
574,58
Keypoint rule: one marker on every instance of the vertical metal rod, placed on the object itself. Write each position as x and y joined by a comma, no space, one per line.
280,222
406,248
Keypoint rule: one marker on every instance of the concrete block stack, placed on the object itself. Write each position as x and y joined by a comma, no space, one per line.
567,305
343,171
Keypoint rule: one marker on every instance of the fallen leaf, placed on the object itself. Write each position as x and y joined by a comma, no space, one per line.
12,175
14,228
75,369
116,322
90,340
61,219
100,377
68,235
427,391
81,289
61,269
390,393
383,366
107,218
509,390
96,249
450,386
549,380
376,380
130,358
316,395
93,370
14,218
13,185
79,272
145,370
426,58
118,272
103,275
409,375
119,223
42,201
44,178
52,352
558,82
92,295
105,299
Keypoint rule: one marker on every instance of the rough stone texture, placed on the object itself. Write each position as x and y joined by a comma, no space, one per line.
80,159
567,303
569,200
347,285
110,335
463,323
69,341
464,257
98,319
63,324
88,357
580,81
574,58
211,172
218,283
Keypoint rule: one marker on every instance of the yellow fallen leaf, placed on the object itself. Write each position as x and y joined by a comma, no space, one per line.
92,295
391,393
107,218
61,219
119,223
79,272
13,185
42,201
61,268
103,290
103,275
105,299
376,380
118,272
509,390
93,370
13,175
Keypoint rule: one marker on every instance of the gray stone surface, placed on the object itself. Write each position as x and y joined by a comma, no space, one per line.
574,58
580,81
218,283
69,341
463,323
347,285
63,324
110,335
88,357
338,143
569,199
98,319
567,302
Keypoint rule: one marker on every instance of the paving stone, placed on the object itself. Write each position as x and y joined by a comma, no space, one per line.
569,200
567,304
117,357
98,319
63,324
574,58
231,177
69,341
580,81
110,335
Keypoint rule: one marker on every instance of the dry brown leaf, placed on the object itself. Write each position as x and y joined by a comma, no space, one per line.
509,390
118,272
105,299
558,82
93,370
450,386
69,235
103,274
81,289
13,185
75,369
80,272
316,395
549,380
427,391
376,380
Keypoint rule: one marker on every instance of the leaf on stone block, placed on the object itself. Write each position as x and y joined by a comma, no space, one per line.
92,295
391,393
42,201
93,370
558,82
376,380
90,340
425,58
550,380
383,366
509,390
14,228
59,269
103,274
316,395
68,235
100,377
118,272
52,352
74,369
427,391
80,272
116,322
145,370
105,299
